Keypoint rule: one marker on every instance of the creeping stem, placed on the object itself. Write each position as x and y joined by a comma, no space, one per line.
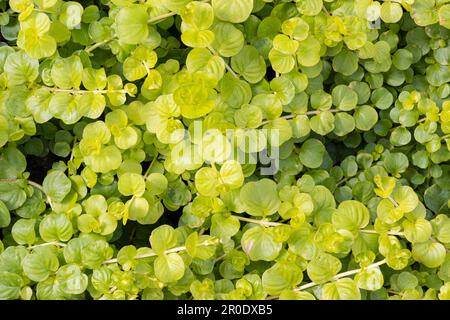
336,277
177,249
229,69
274,224
75,91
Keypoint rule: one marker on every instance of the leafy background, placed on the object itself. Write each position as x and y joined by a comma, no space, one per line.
100,200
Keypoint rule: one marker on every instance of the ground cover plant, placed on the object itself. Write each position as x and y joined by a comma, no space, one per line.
224,149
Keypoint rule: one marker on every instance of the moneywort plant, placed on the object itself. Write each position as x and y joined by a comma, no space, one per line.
224,149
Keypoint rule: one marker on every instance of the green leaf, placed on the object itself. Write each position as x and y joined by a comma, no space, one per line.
424,12
207,182
163,238
344,97
249,64
224,227
12,194
345,62
351,215
67,72
12,163
342,289
370,279
131,184
57,185
444,13
402,59
417,231
391,12
441,228
281,276
234,11
310,7
296,28
70,14
23,231
323,267
431,254
260,198
228,40
343,124
296,295
365,117
131,24
323,123
308,53
11,259
406,198
10,285
40,264
312,153
49,289
169,267
281,62
71,279
56,227
396,163
5,217
20,68
400,136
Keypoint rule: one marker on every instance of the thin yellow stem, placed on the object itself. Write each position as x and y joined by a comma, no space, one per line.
336,277
390,233
31,183
308,113
53,243
173,250
393,201
76,91
260,222
99,44
161,17
150,166
229,69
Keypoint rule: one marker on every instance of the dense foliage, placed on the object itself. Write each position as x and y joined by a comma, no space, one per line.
340,112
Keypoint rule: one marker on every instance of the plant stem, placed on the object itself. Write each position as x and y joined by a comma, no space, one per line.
147,69
344,274
150,166
224,255
260,222
160,17
390,233
99,44
320,111
44,11
342,181
229,69
73,147
31,183
153,254
308,113
336,277
393,201
422,120
274,224
326,11
74,91
38,186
